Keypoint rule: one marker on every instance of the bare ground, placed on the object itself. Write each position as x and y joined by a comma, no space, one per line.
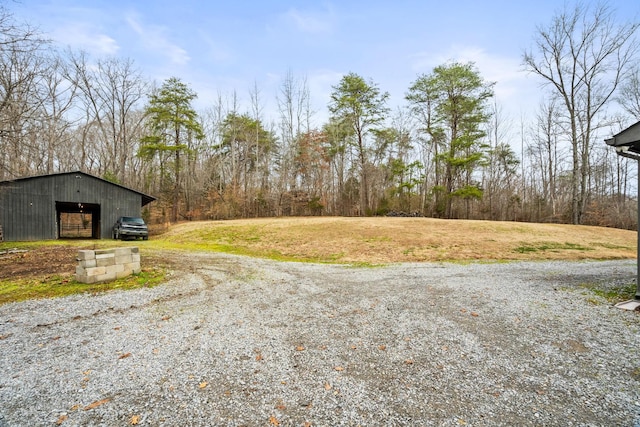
40,261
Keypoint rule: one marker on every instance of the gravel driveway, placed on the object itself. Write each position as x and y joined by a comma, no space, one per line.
235,341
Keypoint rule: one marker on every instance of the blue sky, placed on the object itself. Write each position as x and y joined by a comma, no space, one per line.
222,46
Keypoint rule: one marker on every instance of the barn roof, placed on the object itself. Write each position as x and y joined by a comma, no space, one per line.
627,140
146,199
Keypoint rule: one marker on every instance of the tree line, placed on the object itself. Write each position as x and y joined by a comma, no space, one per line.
448,152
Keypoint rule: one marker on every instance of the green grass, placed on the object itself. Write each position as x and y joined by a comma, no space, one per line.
550,246
325,242
614,294
80,243
609,246
15,290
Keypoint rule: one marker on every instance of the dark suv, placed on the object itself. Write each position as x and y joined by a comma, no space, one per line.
129,226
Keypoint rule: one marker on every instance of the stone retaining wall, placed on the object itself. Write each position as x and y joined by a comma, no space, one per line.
104,265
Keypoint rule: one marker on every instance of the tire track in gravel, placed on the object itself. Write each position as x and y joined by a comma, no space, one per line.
240,341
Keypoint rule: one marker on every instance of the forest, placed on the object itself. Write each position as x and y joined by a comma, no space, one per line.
448,152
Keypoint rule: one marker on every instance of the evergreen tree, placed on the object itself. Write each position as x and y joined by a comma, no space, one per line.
362,106
172,123
451,103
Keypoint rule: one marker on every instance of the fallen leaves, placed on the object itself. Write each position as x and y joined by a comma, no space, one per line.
472,313
96,404
339,368
300,348
202,385
274,421
135,420
62,418
124,356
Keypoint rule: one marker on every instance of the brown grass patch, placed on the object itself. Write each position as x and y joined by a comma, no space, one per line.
387,240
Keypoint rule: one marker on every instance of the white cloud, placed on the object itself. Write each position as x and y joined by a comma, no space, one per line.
154,38
513,85
84,37
310,22
491,67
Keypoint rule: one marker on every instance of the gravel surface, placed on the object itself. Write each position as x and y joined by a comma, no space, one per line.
233,341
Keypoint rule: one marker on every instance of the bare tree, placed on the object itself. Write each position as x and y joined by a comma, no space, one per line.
499,168
293,100
112,91
21,64
56,98
546,153
582,55
629,94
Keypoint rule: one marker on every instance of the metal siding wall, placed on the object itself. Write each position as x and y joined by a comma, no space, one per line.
28,211
114,201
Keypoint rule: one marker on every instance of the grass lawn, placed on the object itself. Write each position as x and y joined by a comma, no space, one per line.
46,269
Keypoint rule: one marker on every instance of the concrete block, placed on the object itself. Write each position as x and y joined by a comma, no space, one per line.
106,277
86,279
104,265
104,251
122,251
114,268
104,260
123,259
123,273
88,263
132,265
86,254
95,271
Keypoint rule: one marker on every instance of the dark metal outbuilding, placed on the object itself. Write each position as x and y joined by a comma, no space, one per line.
627,144
31,208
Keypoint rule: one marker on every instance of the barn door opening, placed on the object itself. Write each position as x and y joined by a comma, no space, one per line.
78,220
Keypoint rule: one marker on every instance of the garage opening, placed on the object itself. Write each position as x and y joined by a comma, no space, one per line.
78,220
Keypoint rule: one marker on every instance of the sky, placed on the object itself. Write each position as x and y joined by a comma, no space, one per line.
218,47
